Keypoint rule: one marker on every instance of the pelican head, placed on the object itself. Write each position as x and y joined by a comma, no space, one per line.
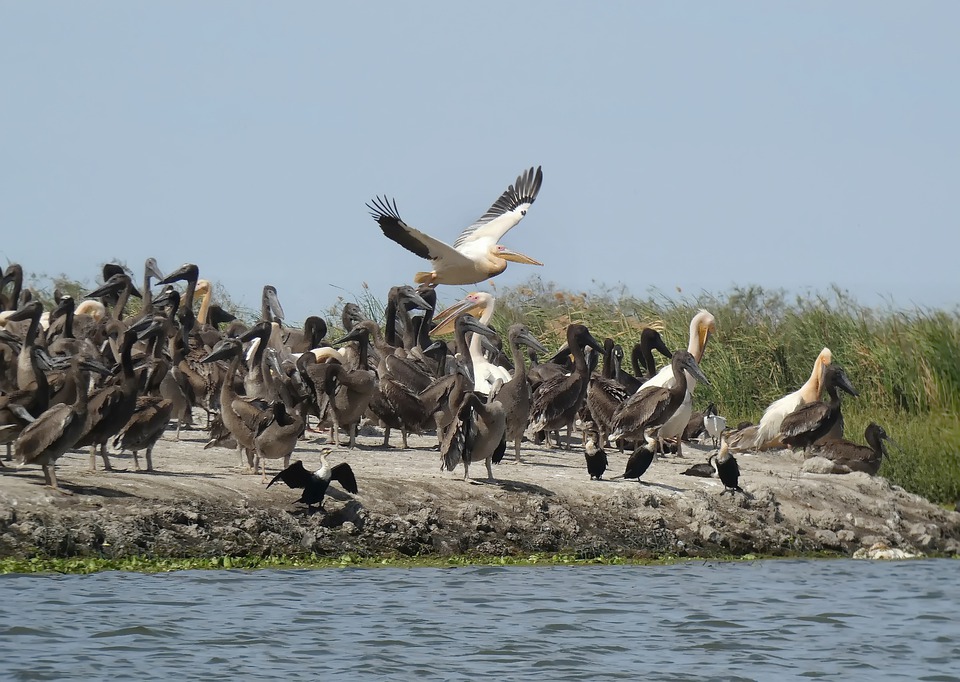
702,327
501,251
472,303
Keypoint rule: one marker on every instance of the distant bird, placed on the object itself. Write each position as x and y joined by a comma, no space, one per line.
696,427
703,469
856,457
810,422
727,469
642,457
475,256
768,430
595,456
315,483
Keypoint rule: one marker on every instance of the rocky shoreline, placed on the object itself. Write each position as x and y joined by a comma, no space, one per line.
199,504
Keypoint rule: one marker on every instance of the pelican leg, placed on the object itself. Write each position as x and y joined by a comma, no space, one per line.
386,437
149,457
516,448
489,463
50,475
93,458
136,461
403,432
466,469
103,454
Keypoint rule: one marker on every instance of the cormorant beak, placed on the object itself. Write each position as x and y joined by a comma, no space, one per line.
516,257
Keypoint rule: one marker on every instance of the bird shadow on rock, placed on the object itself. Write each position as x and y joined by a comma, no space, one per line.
515,486
89,490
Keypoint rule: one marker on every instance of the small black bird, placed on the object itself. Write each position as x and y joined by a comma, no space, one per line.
315,483
642,458
727,468
703,469
595,456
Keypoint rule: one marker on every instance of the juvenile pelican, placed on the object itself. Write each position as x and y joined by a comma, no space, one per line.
475,255
702,326
812,421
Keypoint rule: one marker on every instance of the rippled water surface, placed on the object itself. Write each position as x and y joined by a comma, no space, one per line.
762,620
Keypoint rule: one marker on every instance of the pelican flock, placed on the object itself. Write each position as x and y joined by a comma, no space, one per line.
129,367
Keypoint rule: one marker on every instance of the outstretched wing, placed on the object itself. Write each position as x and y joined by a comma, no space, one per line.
343,474
295,476
506,211
385,213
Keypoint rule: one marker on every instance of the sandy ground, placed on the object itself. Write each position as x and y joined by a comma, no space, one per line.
199,502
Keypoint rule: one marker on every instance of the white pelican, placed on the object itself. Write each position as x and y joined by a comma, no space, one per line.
702,326
485,373
768,431
475,255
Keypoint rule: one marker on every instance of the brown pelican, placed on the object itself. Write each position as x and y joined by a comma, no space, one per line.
604,393
315,483
702,326
350,390
515,395
143,430
653,406
13,275
641,358
485,373
475,255
768,430
276,435
111,407
477,435
557,401
853,456
55,431
728,471
812,421
120,286
239,415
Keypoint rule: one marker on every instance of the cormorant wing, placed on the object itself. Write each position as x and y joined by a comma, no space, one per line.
343,474
410,238
505,212
295,476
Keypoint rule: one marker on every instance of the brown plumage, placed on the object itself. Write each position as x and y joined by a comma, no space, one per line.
515,395
652,406
855,457
143,430
810,422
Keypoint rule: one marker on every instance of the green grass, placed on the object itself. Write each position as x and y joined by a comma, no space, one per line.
905,364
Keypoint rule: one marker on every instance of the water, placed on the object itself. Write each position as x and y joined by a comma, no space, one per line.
764,620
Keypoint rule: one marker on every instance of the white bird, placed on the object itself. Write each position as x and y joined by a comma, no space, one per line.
768,430
714,425
475,256
702,326
485,373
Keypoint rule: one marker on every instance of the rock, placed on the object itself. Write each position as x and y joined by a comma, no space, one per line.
882,551
828,539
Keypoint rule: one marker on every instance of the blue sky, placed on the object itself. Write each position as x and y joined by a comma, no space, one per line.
690,145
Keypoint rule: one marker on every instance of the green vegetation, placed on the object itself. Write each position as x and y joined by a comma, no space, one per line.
314,561
905,364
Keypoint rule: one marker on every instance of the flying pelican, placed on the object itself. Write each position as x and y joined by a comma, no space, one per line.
768,431
475,255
